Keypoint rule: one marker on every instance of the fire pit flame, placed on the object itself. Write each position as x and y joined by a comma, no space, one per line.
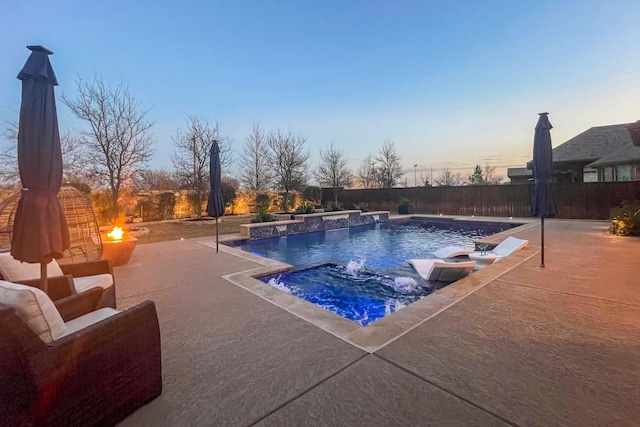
116,233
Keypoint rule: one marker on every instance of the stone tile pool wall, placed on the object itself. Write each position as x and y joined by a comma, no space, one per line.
312,222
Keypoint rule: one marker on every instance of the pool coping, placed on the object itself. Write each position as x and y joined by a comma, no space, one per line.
307,223
386,330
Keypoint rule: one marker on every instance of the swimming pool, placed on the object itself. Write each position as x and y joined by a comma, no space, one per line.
362,273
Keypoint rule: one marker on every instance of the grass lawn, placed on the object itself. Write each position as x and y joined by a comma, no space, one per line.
180,229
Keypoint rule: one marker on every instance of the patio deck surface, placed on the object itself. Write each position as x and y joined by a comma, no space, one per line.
513,344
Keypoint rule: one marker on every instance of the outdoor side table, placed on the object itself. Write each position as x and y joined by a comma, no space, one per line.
482,260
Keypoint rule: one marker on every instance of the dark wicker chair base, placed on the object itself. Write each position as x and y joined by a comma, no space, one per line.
96,376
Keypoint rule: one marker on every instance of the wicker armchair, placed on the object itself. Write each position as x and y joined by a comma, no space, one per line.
97,375
75,278
94,268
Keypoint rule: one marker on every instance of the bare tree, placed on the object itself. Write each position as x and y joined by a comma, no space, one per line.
290,161
9,175
231,181
256,171
490,176
486,176
365,175
73,164
118,142
424,180
388,167
446,178
333,171
191,156
158,179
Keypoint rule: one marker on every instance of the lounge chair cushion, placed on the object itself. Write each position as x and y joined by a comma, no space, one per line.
503,249
87,282
35,308
13,270
442,271
451,252
88,319
509,246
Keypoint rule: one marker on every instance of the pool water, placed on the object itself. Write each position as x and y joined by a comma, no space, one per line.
359,295
362,273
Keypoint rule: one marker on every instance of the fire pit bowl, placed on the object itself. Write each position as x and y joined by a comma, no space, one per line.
118,246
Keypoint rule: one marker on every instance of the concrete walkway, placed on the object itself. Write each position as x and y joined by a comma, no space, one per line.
524,346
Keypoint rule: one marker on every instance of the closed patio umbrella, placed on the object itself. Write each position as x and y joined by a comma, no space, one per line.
215,203
543,204
40,230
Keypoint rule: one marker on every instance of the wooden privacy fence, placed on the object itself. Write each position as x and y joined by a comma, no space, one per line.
588,200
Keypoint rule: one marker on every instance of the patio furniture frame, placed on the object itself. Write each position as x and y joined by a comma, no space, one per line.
95,376
62,286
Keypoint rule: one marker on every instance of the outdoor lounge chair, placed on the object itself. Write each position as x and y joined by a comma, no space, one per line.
63,280
442,271
451,252
503,249
65,364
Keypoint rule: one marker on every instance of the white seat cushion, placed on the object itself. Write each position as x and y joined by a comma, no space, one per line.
87,282
442,271
451,252
35,308
509,246
88,319
13,270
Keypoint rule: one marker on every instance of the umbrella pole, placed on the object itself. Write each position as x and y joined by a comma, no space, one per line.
43,277
216,234
542,241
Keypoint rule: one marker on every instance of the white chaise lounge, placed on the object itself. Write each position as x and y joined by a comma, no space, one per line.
503,249
509,246
442,271
452,252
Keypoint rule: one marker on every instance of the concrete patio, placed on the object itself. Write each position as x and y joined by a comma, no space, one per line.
513,344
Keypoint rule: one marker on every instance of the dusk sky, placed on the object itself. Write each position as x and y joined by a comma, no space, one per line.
451,83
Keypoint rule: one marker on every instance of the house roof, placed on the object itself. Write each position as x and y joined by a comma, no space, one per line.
519,172
596,143
628,153
634,130
598,146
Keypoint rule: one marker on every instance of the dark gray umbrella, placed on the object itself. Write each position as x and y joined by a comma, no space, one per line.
215,204
543,204
40,230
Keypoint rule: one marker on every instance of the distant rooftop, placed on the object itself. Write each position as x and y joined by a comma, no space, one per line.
595,143
597,146
628,153
519,172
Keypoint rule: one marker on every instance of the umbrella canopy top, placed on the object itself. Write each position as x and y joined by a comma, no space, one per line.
543,203
38,65
40,230
215,204
39,151
543,122
542,152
